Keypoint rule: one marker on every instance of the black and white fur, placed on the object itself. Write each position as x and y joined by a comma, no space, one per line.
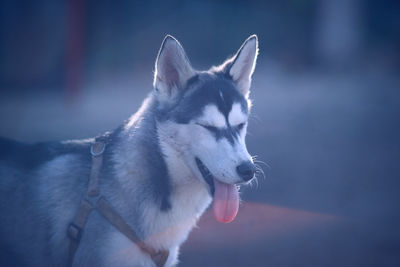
150,174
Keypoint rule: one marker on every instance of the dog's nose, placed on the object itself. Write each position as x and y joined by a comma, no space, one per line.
246,170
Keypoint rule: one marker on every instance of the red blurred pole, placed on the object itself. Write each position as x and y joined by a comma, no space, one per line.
75,47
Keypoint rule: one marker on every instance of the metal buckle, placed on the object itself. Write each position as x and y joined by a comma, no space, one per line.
74,232
95,154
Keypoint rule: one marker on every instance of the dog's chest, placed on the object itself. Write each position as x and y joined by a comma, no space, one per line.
170,228
163,230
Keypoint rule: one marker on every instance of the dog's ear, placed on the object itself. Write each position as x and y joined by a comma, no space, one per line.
241,66
172,69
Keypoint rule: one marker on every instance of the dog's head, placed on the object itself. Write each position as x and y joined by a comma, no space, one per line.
203,117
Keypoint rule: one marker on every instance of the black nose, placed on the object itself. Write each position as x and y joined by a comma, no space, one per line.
246,170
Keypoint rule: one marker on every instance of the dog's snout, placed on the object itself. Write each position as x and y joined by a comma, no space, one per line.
246,170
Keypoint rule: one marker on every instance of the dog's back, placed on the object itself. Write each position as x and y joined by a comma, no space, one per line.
40,186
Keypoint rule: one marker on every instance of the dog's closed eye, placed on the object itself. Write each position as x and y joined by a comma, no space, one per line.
214,129
240,126
209,127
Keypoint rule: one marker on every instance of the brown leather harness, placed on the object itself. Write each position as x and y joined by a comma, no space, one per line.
94,201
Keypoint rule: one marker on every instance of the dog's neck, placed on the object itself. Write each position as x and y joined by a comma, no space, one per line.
154,173
147,156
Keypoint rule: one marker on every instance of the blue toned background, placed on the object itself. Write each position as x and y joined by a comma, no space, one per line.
325,119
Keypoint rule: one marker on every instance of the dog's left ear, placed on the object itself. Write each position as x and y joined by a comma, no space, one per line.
172,69
241,66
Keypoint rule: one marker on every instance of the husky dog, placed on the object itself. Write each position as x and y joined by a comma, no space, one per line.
183,149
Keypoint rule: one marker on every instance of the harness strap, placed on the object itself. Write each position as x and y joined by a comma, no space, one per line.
96,150
75,229
102,205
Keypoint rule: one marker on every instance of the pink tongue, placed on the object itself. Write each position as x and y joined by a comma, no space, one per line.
226,201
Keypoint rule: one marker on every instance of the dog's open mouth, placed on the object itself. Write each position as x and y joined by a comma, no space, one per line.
206,175
225,196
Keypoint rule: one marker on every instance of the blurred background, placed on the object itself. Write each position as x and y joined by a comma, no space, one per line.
325,118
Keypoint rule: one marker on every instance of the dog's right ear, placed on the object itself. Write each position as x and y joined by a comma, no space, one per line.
172,69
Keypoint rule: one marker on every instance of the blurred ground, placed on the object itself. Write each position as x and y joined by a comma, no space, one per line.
331,139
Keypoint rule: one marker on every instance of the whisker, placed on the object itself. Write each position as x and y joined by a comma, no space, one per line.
255,160
255,181
259,170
